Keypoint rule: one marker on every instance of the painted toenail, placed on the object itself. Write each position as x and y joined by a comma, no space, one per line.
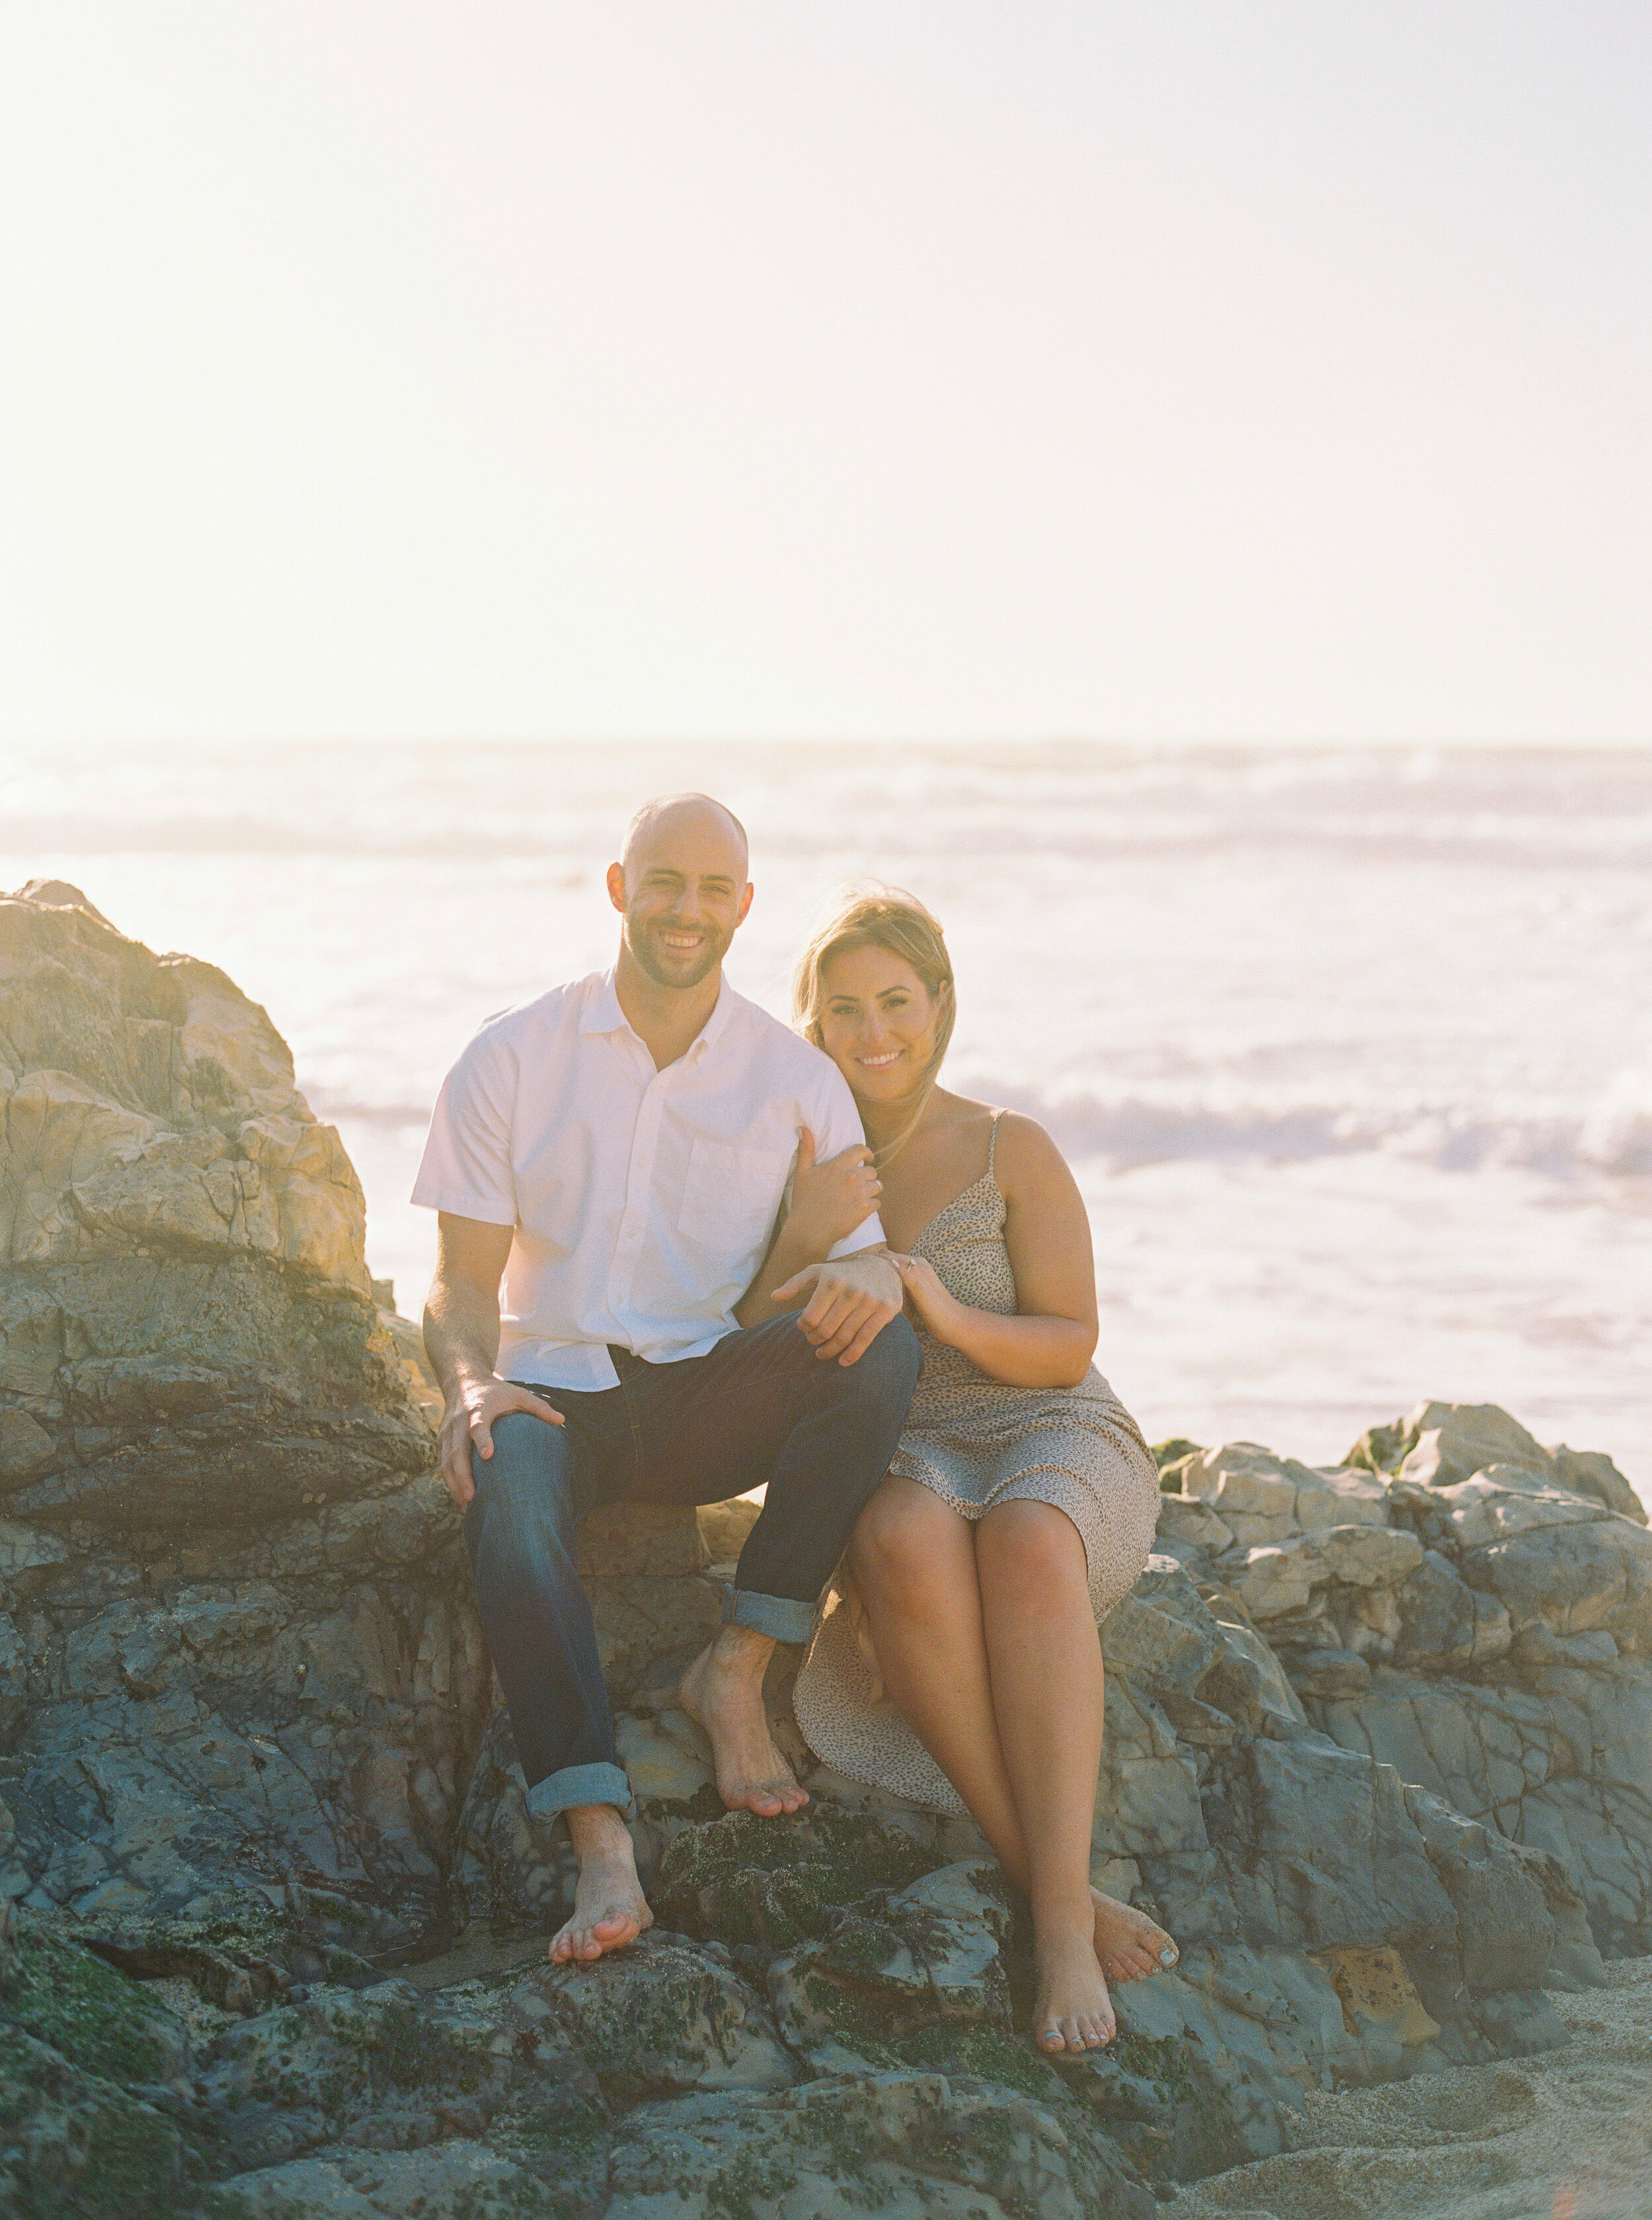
1168,1956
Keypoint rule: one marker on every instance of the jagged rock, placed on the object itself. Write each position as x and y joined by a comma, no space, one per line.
236,1597
921,1956
185,1309
1586,1472
915,2146
1557,1757
1190,1521
667,2017
300,1708
454,2181
377,2065
744,1881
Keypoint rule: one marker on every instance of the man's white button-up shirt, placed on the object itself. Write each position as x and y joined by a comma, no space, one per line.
642,1201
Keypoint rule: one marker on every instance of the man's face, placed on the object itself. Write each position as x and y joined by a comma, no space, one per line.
682,891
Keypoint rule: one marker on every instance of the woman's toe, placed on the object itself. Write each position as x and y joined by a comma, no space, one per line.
1051,2038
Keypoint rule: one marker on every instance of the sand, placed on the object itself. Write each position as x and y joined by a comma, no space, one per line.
1564,2136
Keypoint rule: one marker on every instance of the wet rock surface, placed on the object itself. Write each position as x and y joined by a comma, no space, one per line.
273,1938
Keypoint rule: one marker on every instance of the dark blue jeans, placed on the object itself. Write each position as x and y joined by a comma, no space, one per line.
760,1407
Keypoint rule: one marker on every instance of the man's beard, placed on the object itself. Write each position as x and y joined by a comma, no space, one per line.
660,968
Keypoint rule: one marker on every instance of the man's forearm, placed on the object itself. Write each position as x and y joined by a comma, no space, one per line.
461,1333
788,1257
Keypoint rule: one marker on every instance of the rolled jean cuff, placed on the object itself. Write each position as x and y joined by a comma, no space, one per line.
781,1617
576,1785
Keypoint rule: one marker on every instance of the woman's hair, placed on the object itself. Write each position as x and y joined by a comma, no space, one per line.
872,916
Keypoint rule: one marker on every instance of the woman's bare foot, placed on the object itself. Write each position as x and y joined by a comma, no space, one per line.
1071,2009
1130,1946
609,1907
722,1691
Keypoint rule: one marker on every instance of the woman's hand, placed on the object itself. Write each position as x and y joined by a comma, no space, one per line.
829,1201
939,1311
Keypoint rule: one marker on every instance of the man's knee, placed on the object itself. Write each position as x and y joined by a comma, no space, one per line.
887,1369
523,1493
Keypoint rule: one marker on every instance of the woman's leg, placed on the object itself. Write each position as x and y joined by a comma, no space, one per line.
1045,1663
915,1562
913,1559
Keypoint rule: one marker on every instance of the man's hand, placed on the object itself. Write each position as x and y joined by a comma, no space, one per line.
468,1423
849,1303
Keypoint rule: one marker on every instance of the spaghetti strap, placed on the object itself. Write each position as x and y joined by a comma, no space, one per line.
992,1146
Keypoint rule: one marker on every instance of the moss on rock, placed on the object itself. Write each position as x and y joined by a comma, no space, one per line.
743,1881
73,2143
65,1996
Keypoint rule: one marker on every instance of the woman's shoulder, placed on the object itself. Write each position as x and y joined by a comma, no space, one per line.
1024,1155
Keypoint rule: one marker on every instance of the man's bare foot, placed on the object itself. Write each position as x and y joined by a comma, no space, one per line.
609,1907
1071,2009
722,1691
1128,1943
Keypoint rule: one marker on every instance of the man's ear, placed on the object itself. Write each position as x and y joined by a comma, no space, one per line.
617,886
746,902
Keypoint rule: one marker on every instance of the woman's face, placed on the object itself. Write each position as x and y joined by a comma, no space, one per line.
878,1022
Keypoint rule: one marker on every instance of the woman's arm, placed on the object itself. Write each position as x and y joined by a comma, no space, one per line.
828,1201
1050,1341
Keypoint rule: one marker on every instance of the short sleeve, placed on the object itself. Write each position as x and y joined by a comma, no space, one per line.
466,1168
836,1127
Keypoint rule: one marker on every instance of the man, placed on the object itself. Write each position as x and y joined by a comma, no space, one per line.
617,1151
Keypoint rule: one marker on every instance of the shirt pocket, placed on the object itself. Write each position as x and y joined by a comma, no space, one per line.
730,1197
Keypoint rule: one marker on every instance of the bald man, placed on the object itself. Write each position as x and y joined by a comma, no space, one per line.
616,1153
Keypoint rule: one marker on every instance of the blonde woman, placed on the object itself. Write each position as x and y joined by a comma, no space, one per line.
960,1663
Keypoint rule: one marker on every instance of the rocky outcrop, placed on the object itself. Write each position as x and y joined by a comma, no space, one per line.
236,1647
188,1340
1466,1606
271,1907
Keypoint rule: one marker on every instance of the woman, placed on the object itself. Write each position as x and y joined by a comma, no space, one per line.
960,1658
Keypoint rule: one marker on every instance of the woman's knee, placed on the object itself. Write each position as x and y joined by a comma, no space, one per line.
1033,1553
907,1546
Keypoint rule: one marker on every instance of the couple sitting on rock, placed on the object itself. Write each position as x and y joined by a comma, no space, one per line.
723,1267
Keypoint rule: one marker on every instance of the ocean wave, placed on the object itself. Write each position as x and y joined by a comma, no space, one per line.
991,830
1126,1132
1130,1131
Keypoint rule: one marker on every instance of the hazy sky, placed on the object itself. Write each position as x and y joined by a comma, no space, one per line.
1242,369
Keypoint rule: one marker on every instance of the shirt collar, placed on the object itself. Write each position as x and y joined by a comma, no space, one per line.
602,1014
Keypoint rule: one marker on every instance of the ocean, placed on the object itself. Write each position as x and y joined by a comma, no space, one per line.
1351,1049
